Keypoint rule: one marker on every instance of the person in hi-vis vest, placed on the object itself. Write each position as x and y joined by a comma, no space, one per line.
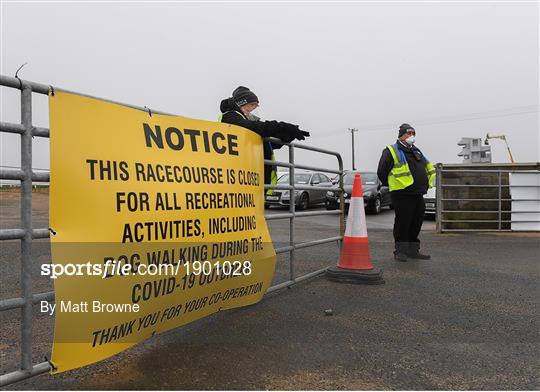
240,109
408,174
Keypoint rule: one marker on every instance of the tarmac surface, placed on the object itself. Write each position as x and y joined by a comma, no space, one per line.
467,319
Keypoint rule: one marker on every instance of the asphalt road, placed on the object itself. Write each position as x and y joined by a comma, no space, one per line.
468,319
384,220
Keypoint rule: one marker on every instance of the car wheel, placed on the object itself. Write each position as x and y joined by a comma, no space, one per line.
375,207
303,204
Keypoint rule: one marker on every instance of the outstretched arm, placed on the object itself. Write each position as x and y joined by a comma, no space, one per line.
281,130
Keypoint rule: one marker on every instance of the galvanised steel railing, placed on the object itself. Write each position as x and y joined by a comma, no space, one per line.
26,233
499,223
292,214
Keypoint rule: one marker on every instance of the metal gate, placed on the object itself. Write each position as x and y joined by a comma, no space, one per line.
480,199
26,233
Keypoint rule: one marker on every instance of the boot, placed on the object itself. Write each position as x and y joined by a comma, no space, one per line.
400,254
414,252
400,257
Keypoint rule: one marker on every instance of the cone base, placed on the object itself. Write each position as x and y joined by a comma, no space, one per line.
343,275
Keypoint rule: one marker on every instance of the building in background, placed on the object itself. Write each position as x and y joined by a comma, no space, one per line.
474,151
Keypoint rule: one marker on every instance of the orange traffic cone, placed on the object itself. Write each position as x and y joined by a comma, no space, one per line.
355,264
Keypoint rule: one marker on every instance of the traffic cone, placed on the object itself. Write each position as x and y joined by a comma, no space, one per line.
355,264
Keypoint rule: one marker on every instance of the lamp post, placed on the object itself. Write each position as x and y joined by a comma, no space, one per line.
353,130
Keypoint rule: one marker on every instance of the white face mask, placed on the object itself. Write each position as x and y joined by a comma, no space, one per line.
410,140
254,115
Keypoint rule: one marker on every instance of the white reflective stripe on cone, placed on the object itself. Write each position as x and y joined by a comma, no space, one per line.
356,221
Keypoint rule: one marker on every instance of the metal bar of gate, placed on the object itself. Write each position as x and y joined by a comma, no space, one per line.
292,206
26,233
528,171
500,203
488,186
26,223
466,199
438,197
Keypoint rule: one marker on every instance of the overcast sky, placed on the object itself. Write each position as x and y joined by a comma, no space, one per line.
451,70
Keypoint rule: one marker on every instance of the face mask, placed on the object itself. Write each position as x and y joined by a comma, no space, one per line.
410,140
252,117
256,114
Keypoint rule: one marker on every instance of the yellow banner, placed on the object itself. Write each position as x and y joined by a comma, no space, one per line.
157,221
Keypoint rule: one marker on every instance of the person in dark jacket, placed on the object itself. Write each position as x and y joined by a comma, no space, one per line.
238,110
408,174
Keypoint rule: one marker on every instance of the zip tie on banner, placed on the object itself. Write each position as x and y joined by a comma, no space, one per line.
51,364
53,232
52,90
149,111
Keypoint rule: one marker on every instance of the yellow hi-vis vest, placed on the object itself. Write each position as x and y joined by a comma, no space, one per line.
400,176
273,174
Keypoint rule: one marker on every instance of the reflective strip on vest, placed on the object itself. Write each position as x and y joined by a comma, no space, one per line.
402,174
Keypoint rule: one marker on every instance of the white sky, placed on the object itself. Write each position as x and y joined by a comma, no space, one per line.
451,70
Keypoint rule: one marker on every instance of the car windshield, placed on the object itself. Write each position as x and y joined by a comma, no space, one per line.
367,178
298,179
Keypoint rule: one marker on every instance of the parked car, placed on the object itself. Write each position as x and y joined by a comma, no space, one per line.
302,198
431,203
376,196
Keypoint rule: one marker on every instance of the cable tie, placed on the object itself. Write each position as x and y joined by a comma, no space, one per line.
17,72
52,90
17,77
53,367
149,111
52,231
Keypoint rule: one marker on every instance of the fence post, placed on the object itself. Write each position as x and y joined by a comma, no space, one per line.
291,210
500,203
438,197
26,222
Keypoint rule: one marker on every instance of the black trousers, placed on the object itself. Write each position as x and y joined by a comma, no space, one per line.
409,210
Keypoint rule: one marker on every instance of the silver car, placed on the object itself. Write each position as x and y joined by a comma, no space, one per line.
302,198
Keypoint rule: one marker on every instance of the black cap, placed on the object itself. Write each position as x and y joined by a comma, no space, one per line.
243,95
404,128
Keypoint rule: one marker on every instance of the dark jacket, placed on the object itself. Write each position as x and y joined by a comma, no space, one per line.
275,129
417,167
281,130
